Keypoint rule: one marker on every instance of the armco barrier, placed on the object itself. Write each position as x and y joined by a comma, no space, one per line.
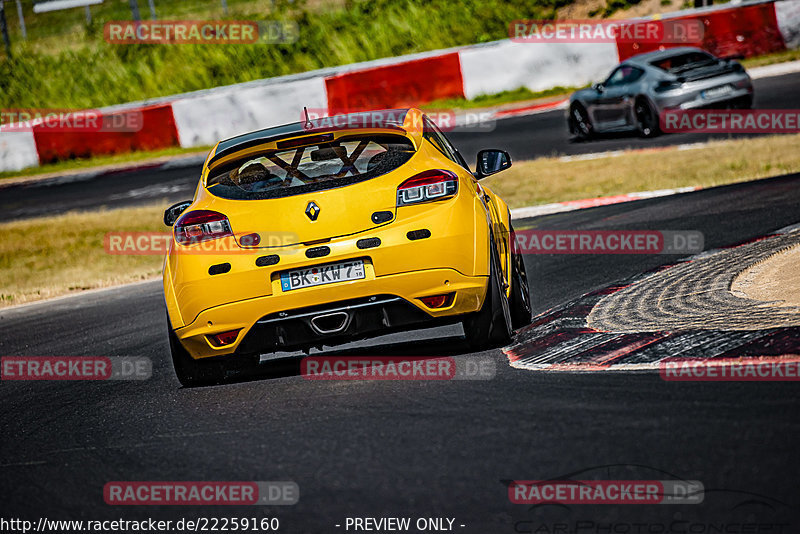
400,85
155,129
749,30
204,117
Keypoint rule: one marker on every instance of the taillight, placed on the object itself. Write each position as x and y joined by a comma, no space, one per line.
224,338
201,225
438,301
427,186
666,85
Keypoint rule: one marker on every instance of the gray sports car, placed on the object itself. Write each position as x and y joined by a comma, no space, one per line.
640,88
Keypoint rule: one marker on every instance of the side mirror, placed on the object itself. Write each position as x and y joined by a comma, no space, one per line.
491,161
174,211
599,87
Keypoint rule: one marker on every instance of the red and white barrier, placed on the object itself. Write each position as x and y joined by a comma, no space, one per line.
145,128
400,85
749,30
506,66
204,117
219,114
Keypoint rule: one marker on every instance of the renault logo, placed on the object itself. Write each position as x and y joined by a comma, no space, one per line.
312,210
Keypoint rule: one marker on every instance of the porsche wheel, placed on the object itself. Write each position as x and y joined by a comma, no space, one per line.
491,325
579,123
646,118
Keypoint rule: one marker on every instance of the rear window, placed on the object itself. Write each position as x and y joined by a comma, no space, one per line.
304,169
686,61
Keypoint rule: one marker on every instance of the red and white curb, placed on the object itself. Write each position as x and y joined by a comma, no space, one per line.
778,69
531,109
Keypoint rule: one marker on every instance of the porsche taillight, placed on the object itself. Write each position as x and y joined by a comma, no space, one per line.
201,225
427,186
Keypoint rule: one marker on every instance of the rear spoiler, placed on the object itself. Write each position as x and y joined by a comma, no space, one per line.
317,128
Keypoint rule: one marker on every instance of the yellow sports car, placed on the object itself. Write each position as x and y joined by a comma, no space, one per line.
322,232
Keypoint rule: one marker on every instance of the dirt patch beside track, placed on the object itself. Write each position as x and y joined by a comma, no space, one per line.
775,280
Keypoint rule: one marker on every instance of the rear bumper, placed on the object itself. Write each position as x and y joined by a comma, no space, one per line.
740,98
382,304
335,323
692,96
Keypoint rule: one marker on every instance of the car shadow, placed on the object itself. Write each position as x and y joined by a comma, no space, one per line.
609,136
291,364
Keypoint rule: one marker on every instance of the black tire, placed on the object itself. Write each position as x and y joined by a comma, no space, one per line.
646,118
579,123
490,326
520,292
207,371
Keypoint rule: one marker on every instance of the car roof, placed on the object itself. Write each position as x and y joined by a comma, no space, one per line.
389,118
649,57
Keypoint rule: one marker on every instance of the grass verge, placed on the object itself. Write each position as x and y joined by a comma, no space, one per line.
498,99
85,71
39,263
771,59
720,162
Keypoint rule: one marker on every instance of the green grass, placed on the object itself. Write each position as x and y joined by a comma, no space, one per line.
81,70
770,59
505,97
66,63
39,263
546,180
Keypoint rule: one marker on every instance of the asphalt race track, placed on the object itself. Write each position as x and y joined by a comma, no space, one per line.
415,448
525,137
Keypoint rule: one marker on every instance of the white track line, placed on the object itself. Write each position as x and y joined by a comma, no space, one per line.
778,69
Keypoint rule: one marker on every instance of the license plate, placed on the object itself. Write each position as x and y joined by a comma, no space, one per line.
717,91
322,274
